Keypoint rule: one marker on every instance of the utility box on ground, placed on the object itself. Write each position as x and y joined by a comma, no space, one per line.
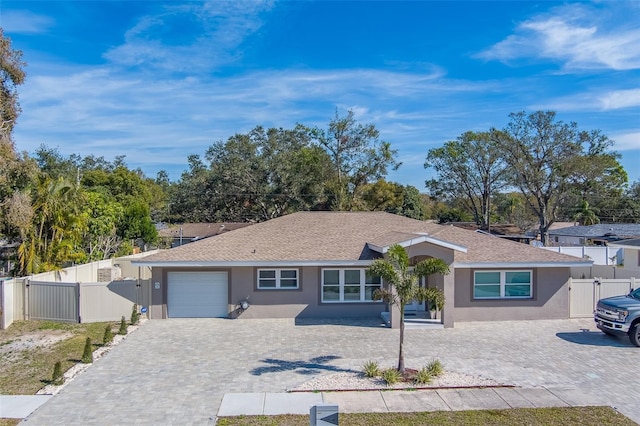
324,415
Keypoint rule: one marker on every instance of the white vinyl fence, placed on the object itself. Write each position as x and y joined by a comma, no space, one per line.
585,293
76,294
600,255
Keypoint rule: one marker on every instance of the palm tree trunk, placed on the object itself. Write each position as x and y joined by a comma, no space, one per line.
401,351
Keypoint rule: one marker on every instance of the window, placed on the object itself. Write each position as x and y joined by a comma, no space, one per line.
277,279
348,285
502,285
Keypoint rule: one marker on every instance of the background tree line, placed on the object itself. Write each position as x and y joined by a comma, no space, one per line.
547,170
61,210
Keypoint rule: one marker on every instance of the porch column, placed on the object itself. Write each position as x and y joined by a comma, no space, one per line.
449,295
394,315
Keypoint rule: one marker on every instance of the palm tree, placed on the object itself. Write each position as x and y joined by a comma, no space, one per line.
586,214
402,284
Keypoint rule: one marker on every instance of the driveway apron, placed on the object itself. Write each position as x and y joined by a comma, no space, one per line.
177,371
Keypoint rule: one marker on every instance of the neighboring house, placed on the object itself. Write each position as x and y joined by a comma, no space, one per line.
8,257
190,232
312,264
601,234
631,253
502,230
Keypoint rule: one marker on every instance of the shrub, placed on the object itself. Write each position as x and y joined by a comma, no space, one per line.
135,315
108,335
57,378
424,376
435,368
87,355
123,326
371,369
391,376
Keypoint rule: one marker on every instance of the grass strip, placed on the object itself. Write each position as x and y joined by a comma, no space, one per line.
557,416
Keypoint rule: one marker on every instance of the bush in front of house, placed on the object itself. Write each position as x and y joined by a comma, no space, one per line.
57,378
371,369
87,355
135,315
123,326
108,335
391,376
435,368
423,376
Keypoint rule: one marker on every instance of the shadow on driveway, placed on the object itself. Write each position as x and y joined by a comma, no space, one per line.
368,322
301,367
595,338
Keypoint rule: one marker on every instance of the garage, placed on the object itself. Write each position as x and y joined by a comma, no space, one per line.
197,294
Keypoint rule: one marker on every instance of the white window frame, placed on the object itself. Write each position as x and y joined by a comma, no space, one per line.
341,274
503,284
278,278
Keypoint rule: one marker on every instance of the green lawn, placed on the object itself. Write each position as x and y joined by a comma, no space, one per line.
24,372
579,416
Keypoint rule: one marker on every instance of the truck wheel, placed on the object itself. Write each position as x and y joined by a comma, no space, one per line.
634,334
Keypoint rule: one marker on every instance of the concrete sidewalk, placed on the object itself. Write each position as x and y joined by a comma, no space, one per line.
20,406
253,404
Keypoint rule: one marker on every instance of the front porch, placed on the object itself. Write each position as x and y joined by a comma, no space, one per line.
415,319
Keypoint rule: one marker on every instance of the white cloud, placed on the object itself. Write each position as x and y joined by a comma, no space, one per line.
579,37
103,111
24,22
629,141
192,36
593,101
621,99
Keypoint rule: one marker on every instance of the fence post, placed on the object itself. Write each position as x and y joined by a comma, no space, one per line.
25,299
1,304
79,319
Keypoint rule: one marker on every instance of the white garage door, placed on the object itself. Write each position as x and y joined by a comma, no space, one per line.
197,294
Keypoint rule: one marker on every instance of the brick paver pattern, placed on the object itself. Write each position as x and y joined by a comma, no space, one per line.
176,371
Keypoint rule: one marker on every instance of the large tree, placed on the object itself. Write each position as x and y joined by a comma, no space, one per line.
54,236
254,176
550,160
470,168
358,156
11,75
402,284
16,170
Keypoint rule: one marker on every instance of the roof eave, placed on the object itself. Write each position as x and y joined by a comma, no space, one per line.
252,263
418,240
521,264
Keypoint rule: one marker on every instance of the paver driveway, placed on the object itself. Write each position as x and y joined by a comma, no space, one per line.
176,371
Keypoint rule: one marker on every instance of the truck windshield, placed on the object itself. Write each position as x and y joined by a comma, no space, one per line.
635,294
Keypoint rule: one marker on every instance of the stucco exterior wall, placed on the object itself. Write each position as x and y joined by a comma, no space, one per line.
303,302
550,299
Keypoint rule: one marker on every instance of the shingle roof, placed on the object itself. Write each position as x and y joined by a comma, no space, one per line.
201,230
622,230
629,243
343,236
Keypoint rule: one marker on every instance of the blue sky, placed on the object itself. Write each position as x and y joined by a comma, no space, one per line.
158,81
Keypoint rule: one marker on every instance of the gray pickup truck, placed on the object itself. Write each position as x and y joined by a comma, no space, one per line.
620,315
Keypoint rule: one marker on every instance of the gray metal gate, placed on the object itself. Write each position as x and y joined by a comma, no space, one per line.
52,301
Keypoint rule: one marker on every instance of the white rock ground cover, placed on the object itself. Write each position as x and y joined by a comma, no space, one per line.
358,381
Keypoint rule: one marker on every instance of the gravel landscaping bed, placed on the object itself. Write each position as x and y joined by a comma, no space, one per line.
358,381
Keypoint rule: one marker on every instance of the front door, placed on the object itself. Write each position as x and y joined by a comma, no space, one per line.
414,306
